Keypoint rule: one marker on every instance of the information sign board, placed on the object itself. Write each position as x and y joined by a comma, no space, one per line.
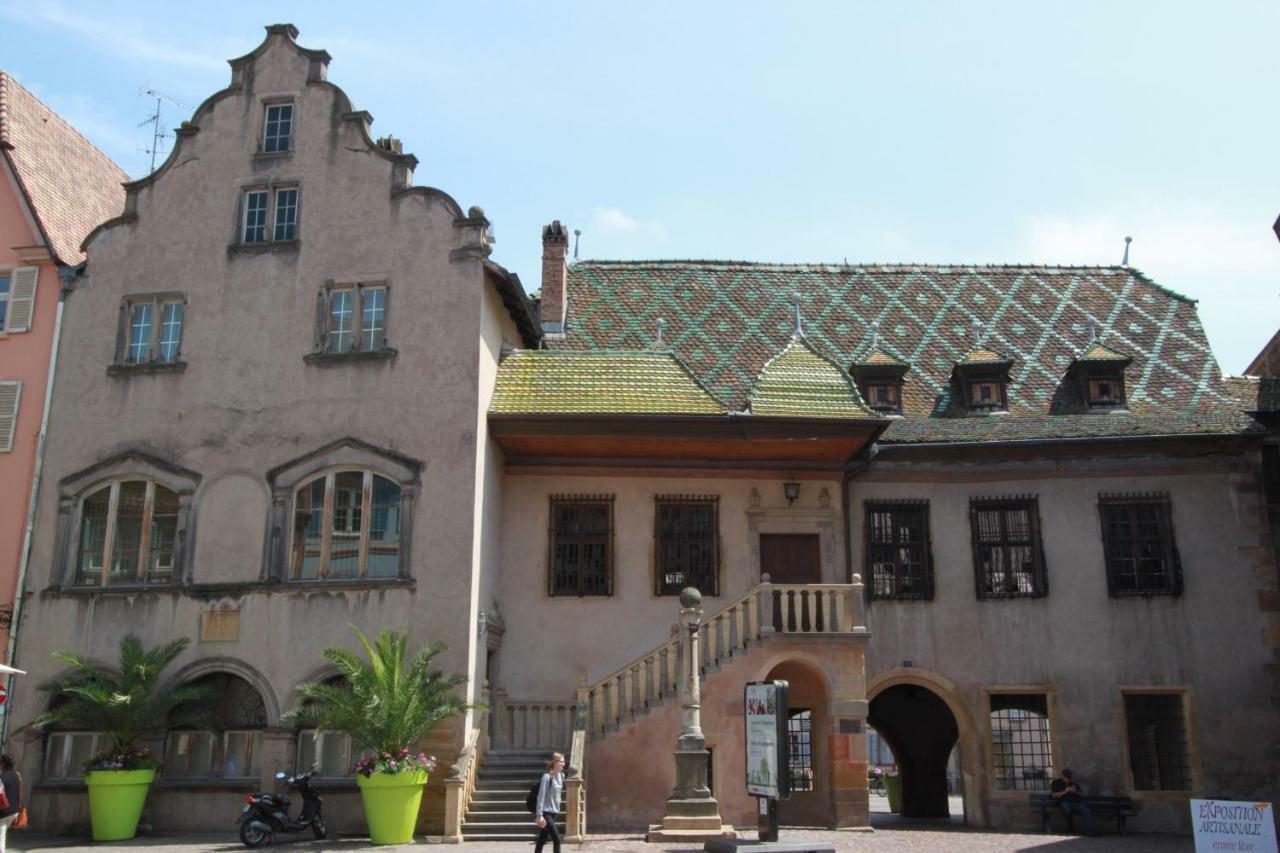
1239,827
768,755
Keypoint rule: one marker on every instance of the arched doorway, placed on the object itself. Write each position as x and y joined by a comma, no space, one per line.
807,724
921,730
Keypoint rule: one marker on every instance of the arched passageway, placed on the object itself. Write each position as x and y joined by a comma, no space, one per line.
921,731
808,725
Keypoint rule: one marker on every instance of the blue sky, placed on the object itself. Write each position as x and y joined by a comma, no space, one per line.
931,132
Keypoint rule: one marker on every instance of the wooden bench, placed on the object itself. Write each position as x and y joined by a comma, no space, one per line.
1101,807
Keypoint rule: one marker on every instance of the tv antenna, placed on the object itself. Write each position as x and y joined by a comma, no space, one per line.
157,129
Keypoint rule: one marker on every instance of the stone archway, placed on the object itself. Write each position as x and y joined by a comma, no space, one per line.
811,801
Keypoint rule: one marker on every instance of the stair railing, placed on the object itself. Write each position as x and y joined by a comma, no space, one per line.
575,782
461,783
766,609
528,724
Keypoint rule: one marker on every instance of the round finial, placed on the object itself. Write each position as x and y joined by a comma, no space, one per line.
690,598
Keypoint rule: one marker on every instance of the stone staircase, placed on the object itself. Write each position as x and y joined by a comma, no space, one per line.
496,811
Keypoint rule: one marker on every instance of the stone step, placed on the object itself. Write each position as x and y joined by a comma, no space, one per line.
525,831
509,815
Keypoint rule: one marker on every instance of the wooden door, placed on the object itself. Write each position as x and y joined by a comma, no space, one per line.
790,558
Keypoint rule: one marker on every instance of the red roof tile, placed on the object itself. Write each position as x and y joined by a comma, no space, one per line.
70,185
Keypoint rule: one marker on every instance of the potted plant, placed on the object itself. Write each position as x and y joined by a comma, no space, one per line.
893,788
385,706
124,704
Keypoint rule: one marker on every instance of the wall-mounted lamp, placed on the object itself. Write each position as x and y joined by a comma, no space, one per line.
791,491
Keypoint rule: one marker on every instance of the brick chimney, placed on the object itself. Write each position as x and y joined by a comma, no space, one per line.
555,249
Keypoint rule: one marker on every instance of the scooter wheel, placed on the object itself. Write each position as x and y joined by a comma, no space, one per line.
252,836
320,829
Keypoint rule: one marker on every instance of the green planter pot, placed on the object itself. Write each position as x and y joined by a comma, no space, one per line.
116,798
391,804
893,787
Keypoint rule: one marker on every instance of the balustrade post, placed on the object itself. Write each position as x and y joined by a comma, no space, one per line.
501,722
764,611
858,608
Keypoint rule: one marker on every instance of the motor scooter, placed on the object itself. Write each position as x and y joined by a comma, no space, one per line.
267,814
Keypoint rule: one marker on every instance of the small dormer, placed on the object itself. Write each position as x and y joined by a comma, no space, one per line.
1099,373
982,379
879,375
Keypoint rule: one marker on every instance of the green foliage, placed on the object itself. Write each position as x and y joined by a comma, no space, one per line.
385,705
124,703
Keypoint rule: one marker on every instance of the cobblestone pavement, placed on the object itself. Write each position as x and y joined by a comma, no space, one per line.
879,841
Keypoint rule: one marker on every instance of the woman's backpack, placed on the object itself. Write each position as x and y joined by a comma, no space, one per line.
531,801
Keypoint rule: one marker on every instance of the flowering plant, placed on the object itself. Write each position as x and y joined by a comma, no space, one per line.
122,759
403,762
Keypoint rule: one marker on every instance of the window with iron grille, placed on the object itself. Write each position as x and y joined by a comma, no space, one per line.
1137,541
1008,558
800,734
1021,753
898,555
1159,756
581,536
686,544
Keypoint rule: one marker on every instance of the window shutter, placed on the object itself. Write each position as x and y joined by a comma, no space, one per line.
322,319
9,394
23,302
122,332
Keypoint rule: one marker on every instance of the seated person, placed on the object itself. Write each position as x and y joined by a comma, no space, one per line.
1069,796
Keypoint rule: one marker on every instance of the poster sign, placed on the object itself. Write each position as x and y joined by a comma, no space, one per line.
768,764
1239,827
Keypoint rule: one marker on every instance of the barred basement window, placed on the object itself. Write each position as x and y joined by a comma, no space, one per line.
65,753
1138,544
1159,757
686,544
1008,557
232,748
897,541
581,546
800,734
1021,754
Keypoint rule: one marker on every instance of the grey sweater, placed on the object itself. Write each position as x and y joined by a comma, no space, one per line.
549,793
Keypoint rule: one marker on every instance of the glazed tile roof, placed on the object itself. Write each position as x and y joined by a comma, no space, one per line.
799,382
1099,352
980,355
648,382
71,186
727,319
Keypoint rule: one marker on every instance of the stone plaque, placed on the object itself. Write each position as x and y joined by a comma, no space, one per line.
220,626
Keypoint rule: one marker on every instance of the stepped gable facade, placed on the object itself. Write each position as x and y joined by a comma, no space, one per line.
265,428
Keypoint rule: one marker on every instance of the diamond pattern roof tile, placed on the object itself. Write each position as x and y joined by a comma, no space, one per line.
727,319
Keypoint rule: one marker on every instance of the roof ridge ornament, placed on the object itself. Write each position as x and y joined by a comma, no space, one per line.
657,341
798,330
875,335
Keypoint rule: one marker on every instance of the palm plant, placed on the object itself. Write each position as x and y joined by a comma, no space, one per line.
125,703
385,706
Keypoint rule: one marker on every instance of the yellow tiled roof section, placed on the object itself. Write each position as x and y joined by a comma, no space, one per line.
1098,352
543,382
799,382
880,357
983,356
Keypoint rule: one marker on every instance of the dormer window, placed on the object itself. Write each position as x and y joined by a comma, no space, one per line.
879,375
982,377
1099,373
277,129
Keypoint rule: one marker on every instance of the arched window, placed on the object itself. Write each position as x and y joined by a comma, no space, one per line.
128,533
346,524
231,749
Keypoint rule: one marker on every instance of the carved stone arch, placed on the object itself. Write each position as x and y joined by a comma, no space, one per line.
130,464
233,666
345,453
969,732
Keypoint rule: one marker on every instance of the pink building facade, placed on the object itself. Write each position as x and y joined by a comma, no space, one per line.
55,188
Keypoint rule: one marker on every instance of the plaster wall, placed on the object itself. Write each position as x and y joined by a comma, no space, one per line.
24,356
1080,645
247,402
543,649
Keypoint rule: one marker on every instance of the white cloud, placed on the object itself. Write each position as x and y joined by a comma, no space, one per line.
117,37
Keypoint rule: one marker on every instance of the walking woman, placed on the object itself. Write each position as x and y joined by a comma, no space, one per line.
548,802
13,790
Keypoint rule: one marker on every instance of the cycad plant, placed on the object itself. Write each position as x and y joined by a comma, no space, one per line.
386,704
125,703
